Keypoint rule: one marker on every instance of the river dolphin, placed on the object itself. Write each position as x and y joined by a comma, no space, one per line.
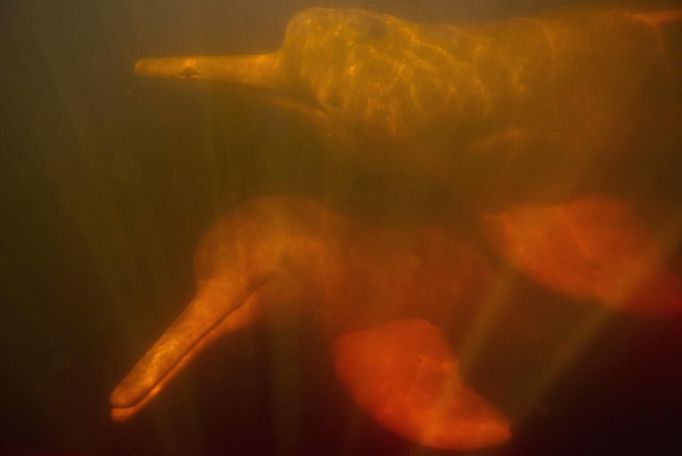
517,114
374,292
523,105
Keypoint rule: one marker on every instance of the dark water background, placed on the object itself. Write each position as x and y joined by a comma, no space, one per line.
106,183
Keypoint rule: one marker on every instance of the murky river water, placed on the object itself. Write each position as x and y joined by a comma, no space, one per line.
108,181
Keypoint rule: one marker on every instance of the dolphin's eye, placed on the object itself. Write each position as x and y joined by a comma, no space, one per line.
189,70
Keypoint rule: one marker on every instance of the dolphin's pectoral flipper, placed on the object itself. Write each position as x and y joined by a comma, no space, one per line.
592,248
406,377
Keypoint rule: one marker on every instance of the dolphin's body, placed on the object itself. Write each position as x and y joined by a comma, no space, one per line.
502,106
494,111
376,295
356,282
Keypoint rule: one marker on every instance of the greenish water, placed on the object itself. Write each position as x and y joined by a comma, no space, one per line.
106,184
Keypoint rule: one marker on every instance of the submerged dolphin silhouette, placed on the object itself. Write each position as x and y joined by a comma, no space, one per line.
540,103
372,290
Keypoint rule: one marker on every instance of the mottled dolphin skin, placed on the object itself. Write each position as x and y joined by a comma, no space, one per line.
502,106
375,292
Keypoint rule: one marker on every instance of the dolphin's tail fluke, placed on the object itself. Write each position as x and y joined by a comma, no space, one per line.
594,249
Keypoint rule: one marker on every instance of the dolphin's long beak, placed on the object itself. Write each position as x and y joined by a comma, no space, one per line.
262,72
217,309
257,71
